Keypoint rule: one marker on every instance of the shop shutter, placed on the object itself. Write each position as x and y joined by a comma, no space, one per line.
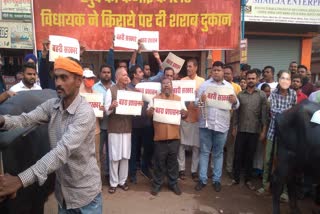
277,52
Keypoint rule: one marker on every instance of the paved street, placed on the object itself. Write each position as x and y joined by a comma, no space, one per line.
231,200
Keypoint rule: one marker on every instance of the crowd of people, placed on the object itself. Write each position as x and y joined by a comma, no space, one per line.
79,141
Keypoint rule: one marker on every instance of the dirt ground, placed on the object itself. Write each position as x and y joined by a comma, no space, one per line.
231,200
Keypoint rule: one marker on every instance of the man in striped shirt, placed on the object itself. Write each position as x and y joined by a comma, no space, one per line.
71,125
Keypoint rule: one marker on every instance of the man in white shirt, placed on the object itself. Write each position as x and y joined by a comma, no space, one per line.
268,76
29,79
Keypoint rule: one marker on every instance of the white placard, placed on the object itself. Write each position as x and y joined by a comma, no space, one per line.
63,46
95,100
148,90
126,37
218,97
150,40
316,117
186,89
174,62
129,102
167,111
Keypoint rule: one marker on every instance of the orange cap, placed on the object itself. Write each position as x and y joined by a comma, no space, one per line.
68,65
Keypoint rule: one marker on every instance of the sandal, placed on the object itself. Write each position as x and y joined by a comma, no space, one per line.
112,190
250,186
124,187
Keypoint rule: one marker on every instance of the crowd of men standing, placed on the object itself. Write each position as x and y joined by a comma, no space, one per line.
246,131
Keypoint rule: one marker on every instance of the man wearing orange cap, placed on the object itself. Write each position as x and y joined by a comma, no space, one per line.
71,126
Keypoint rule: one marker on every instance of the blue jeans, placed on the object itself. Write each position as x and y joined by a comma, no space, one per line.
104,141
94,207
211,141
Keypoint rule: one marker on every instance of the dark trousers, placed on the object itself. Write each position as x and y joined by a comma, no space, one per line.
144,137
148,146
166,162
244,151
104,141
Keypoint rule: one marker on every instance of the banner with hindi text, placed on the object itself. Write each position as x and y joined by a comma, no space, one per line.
149,90
182,24
16,9
63,46
128,38
95,100
186,89
167,111
174,62
129,102
218,97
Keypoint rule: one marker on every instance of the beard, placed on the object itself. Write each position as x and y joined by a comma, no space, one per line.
167,92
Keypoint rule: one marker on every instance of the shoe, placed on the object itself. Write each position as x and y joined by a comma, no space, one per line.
217,186
146,174
234,182
262,191
175,189
155,190
182,175
195,177
199,186
124,187
250,185
284,198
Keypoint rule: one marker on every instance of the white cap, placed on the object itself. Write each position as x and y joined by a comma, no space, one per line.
88,73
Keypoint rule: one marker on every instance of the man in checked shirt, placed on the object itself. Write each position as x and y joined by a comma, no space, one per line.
71,133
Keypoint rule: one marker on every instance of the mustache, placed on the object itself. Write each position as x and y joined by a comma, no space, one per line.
59,88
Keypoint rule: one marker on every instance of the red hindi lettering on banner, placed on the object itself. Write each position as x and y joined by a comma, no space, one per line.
182,24
95,104
123,102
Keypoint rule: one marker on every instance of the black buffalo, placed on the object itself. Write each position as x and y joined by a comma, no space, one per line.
298,151
24,152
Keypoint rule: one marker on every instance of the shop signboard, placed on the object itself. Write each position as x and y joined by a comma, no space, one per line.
16,9
182,24
283,11
5,33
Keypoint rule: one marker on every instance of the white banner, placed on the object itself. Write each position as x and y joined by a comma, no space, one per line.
150,40
218,97
95,100
63,46
174,62
185,89
167,111
148,90
126,37
129,102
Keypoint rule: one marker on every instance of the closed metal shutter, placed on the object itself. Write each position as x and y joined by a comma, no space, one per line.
276,52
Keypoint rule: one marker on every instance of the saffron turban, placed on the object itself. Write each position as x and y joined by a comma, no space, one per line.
68,65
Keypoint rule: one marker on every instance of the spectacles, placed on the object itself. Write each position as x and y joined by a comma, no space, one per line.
166,83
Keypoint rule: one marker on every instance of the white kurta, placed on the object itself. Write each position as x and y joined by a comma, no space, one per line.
119,146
